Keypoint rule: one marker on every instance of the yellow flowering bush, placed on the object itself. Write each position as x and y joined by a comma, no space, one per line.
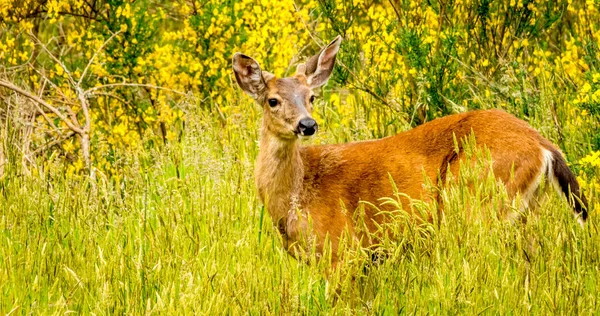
148,59
402,63
421,60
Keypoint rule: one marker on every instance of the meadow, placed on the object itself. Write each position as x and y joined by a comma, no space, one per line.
127,155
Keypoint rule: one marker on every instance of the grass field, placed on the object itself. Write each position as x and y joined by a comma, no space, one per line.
183,232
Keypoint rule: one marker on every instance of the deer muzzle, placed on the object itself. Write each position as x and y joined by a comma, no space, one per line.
307,127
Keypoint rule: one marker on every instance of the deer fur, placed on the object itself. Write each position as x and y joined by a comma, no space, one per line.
311,192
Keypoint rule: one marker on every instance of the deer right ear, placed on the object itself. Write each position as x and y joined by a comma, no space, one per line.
319,67
248,74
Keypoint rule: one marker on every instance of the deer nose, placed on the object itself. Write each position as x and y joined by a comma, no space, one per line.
307,126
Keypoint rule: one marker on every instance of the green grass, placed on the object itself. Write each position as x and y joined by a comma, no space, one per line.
201,243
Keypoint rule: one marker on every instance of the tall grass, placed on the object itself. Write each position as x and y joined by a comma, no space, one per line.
182,232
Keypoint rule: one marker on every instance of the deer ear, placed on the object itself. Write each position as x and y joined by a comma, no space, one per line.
248,74
267,76
319,67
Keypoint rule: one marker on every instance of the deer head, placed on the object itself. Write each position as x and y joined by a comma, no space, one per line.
287,102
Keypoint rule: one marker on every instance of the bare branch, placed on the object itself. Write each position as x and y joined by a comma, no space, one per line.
59,90
398,16
41,102
124,84
364,87
52,143
60,63
94,56
112,96
42,87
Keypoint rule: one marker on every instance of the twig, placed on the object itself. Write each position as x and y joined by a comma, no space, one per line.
307,29
60,63
94,56
395,11
112,96
125,84
43,113
366,88
52,143
41,102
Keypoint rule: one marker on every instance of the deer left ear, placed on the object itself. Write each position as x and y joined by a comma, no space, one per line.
248,74
319,67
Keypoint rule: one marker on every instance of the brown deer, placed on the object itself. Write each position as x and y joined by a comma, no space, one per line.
304,187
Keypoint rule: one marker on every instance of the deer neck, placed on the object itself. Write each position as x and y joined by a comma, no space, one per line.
279,173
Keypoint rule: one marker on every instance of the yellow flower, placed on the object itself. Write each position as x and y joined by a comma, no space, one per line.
586,88
59,69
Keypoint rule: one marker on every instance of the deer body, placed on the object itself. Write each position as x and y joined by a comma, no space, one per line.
312,191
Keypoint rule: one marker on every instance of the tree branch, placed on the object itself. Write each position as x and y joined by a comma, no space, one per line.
125,84
94,56
52,143
54,110
60,63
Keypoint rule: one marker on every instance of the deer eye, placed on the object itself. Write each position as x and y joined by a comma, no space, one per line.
273,102
312,98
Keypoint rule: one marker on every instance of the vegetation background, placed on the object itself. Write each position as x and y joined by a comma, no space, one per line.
127,152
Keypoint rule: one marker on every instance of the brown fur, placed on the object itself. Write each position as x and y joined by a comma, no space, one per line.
304,188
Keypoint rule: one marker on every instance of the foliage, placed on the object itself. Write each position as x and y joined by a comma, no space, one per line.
180,47
422,60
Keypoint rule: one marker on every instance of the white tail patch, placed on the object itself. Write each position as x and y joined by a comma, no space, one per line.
532,195
532,192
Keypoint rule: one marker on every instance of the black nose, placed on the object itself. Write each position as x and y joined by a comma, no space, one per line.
307,127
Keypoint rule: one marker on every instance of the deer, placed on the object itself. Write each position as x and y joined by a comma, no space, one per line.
310,192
